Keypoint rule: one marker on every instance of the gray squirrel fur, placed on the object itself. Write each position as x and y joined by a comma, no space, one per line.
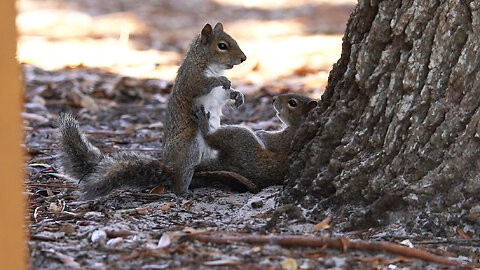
199,81
261,157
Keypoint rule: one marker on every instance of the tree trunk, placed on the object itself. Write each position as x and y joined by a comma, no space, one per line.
396,137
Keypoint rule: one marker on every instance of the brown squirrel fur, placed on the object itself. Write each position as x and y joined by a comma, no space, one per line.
261,157
199,81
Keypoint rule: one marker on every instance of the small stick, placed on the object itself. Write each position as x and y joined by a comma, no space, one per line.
232,176
313,241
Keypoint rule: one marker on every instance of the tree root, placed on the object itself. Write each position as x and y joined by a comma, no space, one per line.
312,241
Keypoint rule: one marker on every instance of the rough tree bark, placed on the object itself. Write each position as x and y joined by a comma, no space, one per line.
396,138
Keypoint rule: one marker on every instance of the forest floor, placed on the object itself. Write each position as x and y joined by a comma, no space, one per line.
112,64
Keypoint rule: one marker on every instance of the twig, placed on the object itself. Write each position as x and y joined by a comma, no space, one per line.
464,242
43,238
55,185
313,241
230,176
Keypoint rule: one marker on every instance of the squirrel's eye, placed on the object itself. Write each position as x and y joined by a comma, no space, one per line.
222,46
292,103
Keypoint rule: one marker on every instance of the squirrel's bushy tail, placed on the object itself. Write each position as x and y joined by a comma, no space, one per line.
99,174
79,156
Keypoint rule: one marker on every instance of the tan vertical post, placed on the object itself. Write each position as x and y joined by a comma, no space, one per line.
12,204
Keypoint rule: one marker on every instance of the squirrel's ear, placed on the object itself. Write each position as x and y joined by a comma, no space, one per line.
218,27
312,105
207,33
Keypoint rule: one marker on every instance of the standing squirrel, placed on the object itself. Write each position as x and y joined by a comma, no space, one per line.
199,82
261,157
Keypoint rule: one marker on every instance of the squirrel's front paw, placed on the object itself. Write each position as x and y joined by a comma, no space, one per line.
226,83
200,116
238,97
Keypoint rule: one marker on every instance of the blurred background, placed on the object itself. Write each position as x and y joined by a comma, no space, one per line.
111,63
289,44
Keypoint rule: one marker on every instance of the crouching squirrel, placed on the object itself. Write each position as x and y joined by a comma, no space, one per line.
199,82
261,157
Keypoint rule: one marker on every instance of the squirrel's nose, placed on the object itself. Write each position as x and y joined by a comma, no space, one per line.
243,58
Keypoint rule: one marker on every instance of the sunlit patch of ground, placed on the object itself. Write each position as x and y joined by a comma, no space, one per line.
108,53
287,49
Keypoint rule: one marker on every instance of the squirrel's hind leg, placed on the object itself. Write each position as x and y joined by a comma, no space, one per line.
184,166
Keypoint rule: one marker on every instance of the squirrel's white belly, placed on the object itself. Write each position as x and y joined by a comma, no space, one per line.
206,152
213,103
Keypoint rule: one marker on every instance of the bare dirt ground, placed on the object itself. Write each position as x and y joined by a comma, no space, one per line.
112,63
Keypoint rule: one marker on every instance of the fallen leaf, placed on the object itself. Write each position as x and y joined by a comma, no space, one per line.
34,117
156,266
114,242
40,165
119,233
99,236
67,260
85,222
222,262
164,241
142,253
53,207
56,207
289,264
155,125
324,224
39,100
35,213
142,211
68,229
463,234
407,243
167,206
158,190
139,210
89,103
